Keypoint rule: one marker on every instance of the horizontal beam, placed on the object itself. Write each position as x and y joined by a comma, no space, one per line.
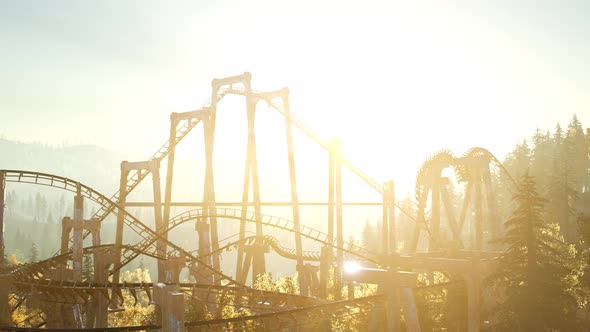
187,204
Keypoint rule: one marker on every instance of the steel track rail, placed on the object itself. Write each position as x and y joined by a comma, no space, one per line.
51,180
283,224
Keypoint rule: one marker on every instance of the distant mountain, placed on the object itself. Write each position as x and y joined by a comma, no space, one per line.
92,165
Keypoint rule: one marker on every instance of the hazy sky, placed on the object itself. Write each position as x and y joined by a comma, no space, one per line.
396,81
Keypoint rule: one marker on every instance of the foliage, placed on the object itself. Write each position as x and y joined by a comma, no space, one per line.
33,253
531,275
142,313
87,268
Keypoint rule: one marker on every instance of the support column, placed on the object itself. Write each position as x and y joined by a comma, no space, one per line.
446,199
435,222
420,222
473,297
331,176
170,302
203,226
465,208
478,212
78,247
493,222
339,231
102,260
258,264
392,222
161,226
209,209
78,227
121,216
385,221
5,318
329,250
170,168
325,263
293,182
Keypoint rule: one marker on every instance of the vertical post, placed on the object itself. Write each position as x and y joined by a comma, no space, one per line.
293,183
78,246
170,168
324,271
5,318
446,199
385,221
466,202
202,229
331,175
202,226
241,275
66,227
329,251
410,311
420,221
478,212
473,297
161,225
170,301
121,216
339,231
209,210
495,225
435,223
392,222
101,259
78,227
258,264
392,308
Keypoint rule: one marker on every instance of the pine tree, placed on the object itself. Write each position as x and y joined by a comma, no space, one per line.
518,161
561,187
87,268
577,154
541,158
33,253
531,273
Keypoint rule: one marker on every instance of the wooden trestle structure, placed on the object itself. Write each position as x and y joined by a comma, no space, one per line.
396,279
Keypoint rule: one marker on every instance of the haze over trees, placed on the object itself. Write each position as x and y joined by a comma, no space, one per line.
542,282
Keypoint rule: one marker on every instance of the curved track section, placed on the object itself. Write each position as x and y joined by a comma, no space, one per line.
481,155
271,242
463,167
40,268
432,167
283,224
146,233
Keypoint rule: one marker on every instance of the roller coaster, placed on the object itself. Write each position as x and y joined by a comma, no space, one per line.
66,301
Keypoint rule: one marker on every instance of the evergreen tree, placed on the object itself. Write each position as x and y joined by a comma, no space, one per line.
371,240
87,268
33,253
576,153
518,161
531,273
561,187
541,157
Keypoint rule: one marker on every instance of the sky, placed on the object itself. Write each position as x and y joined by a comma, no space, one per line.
395,80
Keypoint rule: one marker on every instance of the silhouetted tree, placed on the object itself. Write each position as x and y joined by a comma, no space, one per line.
87,268
33,253
532,271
